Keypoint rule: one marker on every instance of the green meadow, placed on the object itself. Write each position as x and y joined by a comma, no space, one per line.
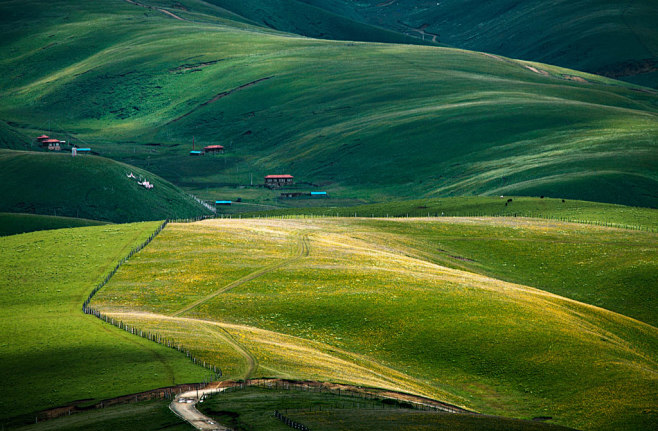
253,408
456,309
13,223
53,354
365,121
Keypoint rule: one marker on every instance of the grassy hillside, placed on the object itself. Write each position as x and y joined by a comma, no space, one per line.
9,138
52,353
87,187
363,121
612,38
416,306
12,224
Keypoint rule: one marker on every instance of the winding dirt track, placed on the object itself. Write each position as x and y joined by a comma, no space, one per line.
252,362
302,251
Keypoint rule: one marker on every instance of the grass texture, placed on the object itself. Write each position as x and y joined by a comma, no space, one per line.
51,353
441,308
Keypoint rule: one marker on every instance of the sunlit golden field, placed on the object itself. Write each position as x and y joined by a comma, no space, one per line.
373,302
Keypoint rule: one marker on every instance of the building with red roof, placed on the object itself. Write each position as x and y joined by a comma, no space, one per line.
278,180
51,143
214,149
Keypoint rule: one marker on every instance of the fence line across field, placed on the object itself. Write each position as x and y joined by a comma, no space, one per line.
151,336
430,215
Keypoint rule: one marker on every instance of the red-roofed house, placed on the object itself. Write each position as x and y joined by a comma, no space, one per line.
214,149
52,144
42,138
278,180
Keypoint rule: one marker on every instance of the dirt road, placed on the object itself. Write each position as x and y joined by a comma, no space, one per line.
184,406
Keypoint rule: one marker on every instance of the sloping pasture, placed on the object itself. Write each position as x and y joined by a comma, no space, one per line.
370,295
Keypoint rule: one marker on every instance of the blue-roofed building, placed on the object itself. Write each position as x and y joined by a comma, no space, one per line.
226,203
319,194
196,153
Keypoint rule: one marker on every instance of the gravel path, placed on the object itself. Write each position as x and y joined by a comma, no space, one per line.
184,405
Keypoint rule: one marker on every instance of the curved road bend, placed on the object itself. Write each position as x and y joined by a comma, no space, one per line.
184,406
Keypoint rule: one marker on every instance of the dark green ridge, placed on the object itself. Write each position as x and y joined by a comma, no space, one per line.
12,224
312,20
612,38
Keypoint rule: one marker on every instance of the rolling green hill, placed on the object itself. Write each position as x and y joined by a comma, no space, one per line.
441,308
312,20
612,38
87,187
363,121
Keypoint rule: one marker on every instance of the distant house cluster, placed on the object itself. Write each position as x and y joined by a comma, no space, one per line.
51,144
